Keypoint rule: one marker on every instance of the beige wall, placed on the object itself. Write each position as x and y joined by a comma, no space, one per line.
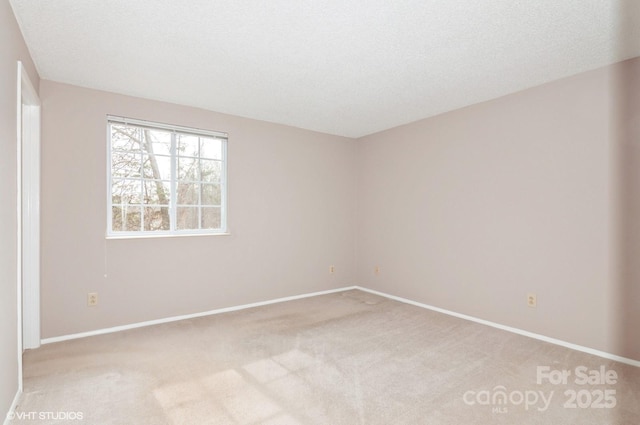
473,209
291,216
468,211
12,49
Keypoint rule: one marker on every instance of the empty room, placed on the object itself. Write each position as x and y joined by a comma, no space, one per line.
320,212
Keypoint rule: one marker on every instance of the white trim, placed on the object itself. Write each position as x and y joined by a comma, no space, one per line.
190,316
28,91
164,235
31,225
528,334
19,220
156,125
544,338
12,408
28,123
224,182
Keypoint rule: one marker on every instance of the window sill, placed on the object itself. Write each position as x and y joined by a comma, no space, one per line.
114,237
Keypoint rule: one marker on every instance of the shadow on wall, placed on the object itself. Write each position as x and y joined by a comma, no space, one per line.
625,129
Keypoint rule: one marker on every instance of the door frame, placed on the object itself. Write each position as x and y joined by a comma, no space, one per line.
28,203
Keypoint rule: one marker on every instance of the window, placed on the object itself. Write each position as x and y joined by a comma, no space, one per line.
165,180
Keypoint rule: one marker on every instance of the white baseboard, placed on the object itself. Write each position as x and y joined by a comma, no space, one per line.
544,338
555,341
12,409
188,316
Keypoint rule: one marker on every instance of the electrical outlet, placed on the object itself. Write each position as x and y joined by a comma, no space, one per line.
332,269
92,298
376,270
532,300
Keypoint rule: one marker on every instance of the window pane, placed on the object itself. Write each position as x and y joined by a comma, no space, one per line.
188,194
155,141
125,218
188,145
122,138
125,164
160,143
156,192
126,191
188,169
211,218
210,194
134,136
210,148
157,167
211,170
156,218
116,218
187,218
131,218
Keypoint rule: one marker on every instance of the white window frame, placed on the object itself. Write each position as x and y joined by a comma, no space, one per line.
173,129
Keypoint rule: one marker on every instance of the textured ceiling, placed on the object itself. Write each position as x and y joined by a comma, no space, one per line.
346,67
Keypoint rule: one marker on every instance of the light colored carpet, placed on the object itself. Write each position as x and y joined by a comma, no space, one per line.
344,358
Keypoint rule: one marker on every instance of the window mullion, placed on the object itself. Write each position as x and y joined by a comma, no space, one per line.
223,188
199,183
110,179
174,177
141,136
